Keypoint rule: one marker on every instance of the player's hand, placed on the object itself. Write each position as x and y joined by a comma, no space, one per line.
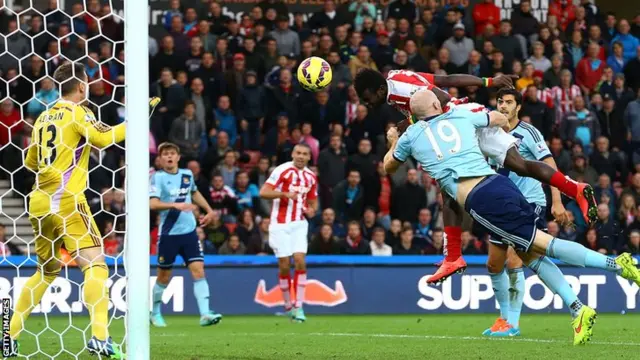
392,134
290,195
504,80
184,207
560,214
207,219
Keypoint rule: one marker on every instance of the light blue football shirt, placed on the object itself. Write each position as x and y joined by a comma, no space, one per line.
447,147
531,146
174,188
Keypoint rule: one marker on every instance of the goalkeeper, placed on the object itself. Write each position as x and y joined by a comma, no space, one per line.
62,139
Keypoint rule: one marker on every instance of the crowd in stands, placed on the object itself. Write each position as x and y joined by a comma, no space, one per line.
231,102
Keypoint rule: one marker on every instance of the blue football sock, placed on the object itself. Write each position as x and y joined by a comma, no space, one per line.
575,254
500,282
201,291
516,296
158,289
553,278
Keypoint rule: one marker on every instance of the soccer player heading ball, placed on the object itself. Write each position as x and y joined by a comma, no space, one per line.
397,89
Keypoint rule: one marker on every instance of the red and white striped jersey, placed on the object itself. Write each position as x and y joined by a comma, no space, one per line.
402,84
545,95
465,104
288,178
563,100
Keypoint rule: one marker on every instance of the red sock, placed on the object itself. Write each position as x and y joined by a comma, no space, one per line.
452,246
300,283
285,288
565,184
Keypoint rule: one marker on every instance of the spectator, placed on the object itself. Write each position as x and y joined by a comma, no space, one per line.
225,118
486,13
620,93
629,42
283,98
277,136
287,39
366,163
259,244
472,245
254,60
286,149
348,197
458,45
633,245
309,139
223,57
634,189
211,78
235,77
174,10
324,242
616,60
582,171
539,61
580,22
228,169
527,77
423,230
177,32
10,120
331,168
540,113
202,103
251,110
384,52
632,122
205,244
575,49
172,98
361,61
320,113
361,10
564,11
44,97
378,245
247,229
609,28
186,132
201,181
216,232
564,95
329,218
233,36
354,243
222,197
589,69
233,246
406,247
593,243
207,38
606,162
524,23
551,77
341,75
437,242
369,222
328,17
408,199
608,231
508,44
248,197
632,71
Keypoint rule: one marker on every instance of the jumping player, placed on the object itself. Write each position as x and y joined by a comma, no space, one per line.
171,193
446,145
294,191
373,89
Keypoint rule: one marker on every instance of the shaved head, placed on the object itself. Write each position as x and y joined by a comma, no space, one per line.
425,103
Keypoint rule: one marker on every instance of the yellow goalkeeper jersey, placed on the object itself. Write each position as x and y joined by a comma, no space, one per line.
59,155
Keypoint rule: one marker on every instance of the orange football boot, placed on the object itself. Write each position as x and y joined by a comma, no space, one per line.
587,201
447,269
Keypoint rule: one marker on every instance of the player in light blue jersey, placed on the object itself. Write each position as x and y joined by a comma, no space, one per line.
446,145
173,193
509,285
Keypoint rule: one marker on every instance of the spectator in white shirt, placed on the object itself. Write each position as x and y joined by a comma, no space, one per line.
378,246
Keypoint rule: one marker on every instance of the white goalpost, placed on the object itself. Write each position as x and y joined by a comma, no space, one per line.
136,256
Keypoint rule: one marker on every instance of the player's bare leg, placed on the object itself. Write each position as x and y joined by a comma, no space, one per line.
284,281
96,298
299,284
163,276
581,192
201,293
453,262
508,285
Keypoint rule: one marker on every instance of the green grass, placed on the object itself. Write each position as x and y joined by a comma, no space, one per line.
354,337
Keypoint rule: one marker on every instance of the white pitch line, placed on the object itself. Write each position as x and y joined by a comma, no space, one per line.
443,337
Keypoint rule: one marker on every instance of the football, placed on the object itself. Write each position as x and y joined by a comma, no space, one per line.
314,74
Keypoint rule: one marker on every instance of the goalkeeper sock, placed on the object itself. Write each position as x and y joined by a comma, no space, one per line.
158,289
201,292
553,278
500,282
578,255
516,296
96,298
30,296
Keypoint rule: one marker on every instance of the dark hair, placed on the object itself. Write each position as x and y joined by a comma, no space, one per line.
353,171
368,79
377,229
188,102
510,91
69,75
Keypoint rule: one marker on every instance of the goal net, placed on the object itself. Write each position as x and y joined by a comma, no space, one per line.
38,36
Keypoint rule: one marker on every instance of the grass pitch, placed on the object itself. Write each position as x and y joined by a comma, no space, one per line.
351,337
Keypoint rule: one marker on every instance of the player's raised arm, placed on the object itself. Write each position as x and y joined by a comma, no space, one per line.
498,119
97,133
463,80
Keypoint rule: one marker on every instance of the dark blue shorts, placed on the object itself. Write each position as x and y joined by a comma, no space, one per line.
499,208
541,223
186,245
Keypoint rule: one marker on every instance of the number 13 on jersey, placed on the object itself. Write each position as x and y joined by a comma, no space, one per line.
448,138
46,144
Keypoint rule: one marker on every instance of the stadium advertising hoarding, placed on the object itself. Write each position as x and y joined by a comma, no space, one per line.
342,290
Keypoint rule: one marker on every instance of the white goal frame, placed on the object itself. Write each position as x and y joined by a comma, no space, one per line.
136,256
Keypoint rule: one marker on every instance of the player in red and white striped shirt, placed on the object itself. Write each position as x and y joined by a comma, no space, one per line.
397,89
294,191
564,94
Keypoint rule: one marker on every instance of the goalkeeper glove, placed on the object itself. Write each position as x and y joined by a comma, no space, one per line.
153,103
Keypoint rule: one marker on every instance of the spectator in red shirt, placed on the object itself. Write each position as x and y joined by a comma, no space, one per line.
589,69
564,10
9,116
485,13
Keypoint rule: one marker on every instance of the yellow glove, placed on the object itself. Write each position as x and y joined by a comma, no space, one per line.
153,102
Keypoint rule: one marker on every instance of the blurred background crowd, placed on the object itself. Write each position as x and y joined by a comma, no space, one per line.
231,102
